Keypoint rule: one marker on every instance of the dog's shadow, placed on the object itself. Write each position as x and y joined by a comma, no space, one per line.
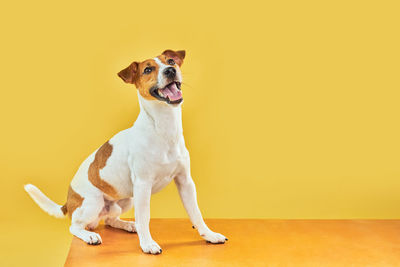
177,244
164,244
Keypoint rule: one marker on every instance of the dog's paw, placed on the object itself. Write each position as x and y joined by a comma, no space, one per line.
215,238
130,227
151,247
92,238
121,224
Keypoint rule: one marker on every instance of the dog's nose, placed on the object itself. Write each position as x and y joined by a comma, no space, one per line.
170,72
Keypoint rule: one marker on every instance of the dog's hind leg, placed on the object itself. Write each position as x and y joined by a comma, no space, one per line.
116,210
87,215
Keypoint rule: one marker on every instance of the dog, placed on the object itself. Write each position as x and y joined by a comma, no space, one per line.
136,162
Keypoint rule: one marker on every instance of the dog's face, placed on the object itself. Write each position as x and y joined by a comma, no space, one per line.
159,78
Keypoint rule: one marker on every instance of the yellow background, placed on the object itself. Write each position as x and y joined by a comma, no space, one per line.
291,107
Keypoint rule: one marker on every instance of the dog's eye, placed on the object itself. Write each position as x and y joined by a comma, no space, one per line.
171,61
148,70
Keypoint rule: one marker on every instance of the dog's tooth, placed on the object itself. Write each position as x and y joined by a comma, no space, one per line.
160,93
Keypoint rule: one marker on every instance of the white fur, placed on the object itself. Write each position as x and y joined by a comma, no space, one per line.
44,202
145,158
161,68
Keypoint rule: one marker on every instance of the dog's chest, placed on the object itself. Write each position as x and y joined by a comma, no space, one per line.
169,163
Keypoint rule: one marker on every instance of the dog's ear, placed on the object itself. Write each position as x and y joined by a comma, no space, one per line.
128,74
178,56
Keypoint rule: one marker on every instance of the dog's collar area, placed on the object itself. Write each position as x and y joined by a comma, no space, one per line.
170,94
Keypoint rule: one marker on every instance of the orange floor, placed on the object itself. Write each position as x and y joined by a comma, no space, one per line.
251,243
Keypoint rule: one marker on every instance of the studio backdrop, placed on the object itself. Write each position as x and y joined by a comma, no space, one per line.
290,111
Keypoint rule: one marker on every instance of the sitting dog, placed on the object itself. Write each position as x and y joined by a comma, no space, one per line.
136,162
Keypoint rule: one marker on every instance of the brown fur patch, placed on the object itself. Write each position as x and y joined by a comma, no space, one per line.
74,201
177,56
128,74
99,163
145,81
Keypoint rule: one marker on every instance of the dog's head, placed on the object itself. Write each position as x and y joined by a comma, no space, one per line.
159,78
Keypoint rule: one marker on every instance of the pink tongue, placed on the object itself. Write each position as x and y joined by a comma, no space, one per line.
172,92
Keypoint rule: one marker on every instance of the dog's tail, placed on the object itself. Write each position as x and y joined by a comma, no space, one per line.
44,202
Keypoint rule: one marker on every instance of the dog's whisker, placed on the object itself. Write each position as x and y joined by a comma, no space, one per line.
188,85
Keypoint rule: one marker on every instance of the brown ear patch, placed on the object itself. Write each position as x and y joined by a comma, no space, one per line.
74,201
99,163
129,74
177,56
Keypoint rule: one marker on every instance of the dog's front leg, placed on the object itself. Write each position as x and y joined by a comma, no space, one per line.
141,198
187,192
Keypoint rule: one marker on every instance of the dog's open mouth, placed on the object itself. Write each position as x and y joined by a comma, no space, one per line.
171,93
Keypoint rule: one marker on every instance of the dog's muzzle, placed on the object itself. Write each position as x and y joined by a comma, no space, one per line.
171,93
